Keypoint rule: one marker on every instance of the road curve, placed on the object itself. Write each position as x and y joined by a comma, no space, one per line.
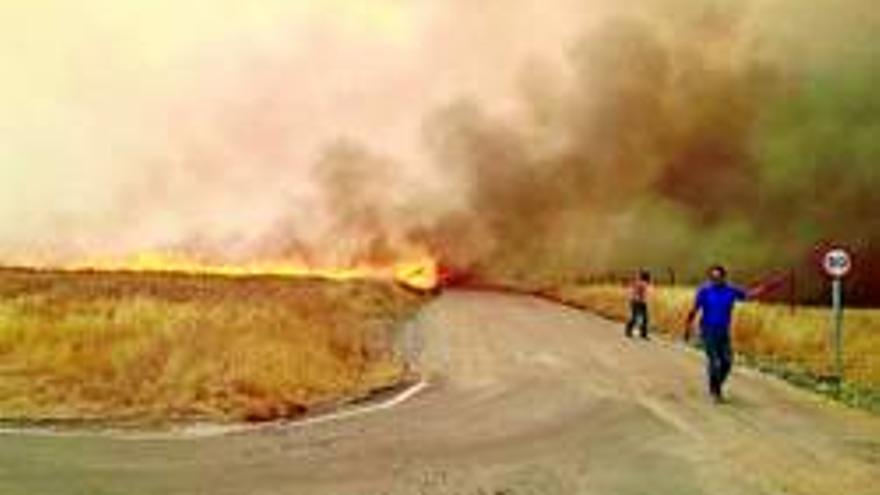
524,397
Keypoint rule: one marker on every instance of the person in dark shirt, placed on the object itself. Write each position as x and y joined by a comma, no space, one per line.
638,304
715,300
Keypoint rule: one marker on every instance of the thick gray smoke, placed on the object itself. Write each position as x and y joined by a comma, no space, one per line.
519,139
717,134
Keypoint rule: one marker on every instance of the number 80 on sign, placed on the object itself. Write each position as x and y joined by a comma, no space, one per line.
837,263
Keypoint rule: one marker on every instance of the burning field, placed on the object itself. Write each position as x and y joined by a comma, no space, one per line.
158,346
517,141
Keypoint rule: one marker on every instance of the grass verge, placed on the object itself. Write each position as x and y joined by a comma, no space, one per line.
160,347
791,343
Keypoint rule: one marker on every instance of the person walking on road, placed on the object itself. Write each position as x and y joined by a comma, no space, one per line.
715,300
638,304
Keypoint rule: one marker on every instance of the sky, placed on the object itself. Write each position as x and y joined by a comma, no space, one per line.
139,125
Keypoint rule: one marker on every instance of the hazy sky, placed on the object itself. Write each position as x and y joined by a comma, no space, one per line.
128,126
205,126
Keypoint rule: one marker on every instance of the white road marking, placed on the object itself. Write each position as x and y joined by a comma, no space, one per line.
208,430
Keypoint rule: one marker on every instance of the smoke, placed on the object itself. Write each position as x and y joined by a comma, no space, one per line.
720,133
520,139
205,128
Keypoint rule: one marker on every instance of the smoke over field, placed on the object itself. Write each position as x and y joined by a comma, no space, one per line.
680,140
515,138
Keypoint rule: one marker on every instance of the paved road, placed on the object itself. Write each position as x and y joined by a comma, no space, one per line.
525,397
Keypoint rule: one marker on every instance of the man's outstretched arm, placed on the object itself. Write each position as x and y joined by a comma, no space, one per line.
768,284
754,292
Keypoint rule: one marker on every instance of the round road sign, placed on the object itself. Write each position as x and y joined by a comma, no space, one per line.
837,263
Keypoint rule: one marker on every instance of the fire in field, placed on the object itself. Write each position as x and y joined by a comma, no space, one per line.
172,170
416,274
439,247
519,139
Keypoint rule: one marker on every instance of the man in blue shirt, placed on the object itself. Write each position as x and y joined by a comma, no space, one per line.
716,300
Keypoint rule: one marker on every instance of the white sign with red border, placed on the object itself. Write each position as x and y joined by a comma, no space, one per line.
837,263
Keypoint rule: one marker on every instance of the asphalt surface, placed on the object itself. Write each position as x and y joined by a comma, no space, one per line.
523,397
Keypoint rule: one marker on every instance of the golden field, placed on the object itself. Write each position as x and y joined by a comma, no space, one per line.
161,346
797,339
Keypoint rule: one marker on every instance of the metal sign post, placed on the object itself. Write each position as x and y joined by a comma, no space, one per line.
837,310
837,264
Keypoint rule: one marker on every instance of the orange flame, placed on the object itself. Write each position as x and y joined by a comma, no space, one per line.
418,273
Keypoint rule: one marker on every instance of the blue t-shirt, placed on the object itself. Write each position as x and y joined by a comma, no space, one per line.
716,302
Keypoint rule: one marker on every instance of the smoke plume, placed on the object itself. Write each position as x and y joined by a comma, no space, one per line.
520,139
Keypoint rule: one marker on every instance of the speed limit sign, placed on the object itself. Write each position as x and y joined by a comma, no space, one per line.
837,263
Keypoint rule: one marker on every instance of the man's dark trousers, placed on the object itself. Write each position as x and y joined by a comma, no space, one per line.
638,316
719,358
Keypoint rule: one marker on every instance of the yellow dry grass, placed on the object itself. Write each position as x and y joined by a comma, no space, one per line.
95,345
798,339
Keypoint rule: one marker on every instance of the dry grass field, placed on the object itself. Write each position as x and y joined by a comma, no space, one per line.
796,339
163,347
